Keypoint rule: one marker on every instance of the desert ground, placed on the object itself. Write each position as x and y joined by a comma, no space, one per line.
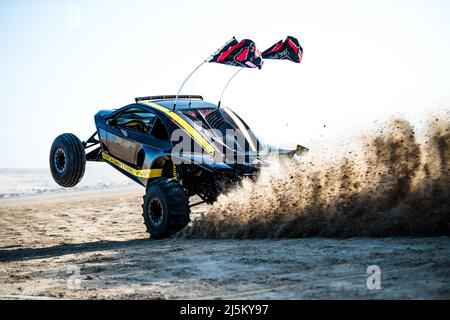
92,244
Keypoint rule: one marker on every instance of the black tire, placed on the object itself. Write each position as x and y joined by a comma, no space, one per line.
67,160
166,208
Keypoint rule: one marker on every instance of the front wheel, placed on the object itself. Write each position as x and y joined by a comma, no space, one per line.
166,208
67,160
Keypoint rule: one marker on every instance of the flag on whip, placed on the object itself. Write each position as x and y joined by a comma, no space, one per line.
289,49
240,54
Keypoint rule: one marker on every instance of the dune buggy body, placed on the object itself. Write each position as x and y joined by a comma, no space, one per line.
195,149
136,140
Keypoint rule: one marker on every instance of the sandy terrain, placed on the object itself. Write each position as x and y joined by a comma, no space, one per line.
92,244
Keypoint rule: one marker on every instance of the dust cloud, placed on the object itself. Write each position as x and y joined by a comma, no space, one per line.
398,184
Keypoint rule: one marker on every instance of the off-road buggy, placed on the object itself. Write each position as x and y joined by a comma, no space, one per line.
175,146
216,150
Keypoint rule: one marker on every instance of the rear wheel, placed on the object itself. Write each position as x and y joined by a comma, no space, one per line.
67,160
166,208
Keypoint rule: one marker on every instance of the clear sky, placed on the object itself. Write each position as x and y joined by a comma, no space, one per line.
364,61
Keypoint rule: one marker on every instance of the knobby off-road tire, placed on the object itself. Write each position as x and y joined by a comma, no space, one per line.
67,160
166,208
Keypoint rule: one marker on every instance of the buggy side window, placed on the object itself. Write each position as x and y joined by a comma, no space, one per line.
136,119
142,121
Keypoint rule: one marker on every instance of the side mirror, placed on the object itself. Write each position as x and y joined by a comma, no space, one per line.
112,123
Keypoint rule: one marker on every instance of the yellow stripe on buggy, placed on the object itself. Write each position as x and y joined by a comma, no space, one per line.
143,173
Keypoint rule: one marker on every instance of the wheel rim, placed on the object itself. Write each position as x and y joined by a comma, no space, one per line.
156,211
60,160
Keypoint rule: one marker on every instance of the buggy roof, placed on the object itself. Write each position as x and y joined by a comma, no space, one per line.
184,104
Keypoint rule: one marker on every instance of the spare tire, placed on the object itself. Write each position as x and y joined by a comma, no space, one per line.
67,160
